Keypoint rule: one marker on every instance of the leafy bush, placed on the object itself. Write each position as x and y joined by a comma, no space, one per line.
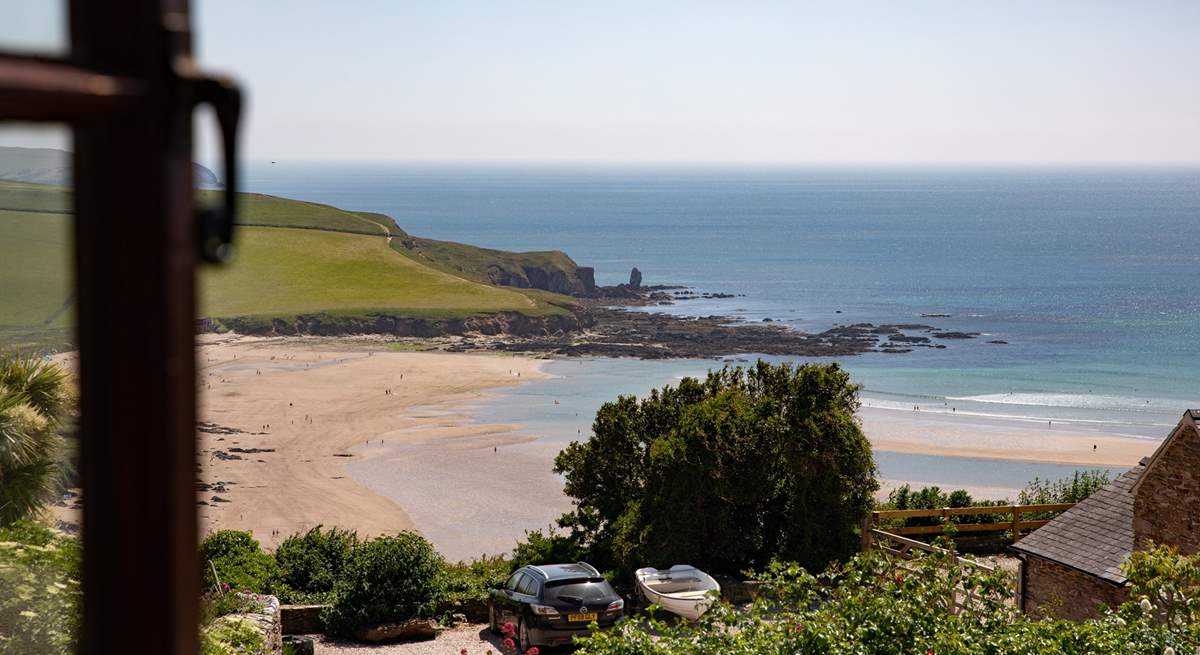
231,635
725,473
217,604
471,581
40,593
871,607
33,404
386,579
1079,486
240,562
310,563
547,548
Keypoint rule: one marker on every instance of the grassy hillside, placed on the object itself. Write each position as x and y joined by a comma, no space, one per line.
292,258
293,271
487,265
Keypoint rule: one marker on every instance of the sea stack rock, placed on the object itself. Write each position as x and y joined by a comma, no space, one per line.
587,278
635,278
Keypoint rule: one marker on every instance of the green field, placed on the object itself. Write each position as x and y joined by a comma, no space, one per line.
293,271
291,258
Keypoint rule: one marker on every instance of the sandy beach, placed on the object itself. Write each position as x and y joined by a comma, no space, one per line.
301,432
281,419
984,437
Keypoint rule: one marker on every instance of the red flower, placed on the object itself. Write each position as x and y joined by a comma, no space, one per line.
509,644
533,650
799,627
929,652
508,630
462,651
900,578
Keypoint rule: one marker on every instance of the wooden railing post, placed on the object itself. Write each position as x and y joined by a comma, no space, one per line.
867,524
1016,523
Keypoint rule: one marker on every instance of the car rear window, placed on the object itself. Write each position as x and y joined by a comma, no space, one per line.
582,590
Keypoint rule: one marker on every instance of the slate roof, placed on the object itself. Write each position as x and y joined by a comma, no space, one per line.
1095,536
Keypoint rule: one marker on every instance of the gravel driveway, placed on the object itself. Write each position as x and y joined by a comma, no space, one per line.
474,637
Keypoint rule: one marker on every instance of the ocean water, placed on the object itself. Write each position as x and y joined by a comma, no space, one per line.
1090,275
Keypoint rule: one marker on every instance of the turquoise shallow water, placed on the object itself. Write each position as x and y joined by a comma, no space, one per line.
1089,275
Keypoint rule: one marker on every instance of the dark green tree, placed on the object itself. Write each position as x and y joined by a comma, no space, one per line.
727,473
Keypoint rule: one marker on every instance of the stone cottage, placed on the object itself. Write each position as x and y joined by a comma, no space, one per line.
1072,565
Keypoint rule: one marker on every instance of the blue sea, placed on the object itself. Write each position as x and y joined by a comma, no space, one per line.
1089,275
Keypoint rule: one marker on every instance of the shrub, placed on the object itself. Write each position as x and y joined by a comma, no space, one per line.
240,562
40,593
871,607
33,405
1079,486
547,548
725,473
231,635
214,605
386,579
310,563
471,581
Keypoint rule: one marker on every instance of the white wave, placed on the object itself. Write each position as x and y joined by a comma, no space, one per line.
1069,400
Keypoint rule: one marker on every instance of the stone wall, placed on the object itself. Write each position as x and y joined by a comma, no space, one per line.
265,620
1052,589
1166,507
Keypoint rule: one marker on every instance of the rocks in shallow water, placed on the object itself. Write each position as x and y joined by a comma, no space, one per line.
904,338
999,341
955,335
768,320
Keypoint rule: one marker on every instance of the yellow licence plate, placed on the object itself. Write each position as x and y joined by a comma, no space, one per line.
590,616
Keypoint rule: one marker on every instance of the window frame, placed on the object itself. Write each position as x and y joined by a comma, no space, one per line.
120,89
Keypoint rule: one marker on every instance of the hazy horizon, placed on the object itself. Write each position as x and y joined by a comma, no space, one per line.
870,84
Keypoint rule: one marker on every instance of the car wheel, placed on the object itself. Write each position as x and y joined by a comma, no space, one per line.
492,618
523,641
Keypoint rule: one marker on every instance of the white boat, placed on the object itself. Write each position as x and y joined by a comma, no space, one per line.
681,589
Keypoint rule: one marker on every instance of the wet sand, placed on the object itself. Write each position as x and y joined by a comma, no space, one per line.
985,437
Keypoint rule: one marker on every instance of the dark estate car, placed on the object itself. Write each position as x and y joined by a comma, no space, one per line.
549,604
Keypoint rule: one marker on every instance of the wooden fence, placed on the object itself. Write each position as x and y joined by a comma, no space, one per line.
1013,524
895,542
902,549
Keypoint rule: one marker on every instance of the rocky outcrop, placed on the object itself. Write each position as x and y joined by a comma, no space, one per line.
635,278
301,619
587,278
265,620
509,323
410,629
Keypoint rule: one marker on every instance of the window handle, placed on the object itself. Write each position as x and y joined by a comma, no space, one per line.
215,224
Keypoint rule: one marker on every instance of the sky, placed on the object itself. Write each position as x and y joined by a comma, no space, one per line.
931,82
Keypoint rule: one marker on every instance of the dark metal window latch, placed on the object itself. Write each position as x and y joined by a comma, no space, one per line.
214,225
